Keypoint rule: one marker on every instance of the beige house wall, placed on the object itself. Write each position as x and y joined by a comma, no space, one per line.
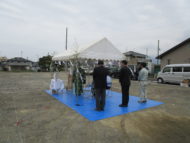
135,60
179,56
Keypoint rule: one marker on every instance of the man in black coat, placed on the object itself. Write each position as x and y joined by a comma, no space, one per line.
99,77
124,79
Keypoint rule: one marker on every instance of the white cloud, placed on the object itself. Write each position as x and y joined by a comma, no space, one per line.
38,26
9,7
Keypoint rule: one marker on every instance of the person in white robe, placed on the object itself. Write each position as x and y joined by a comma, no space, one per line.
56,85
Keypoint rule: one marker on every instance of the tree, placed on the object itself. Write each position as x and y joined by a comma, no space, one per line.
44,62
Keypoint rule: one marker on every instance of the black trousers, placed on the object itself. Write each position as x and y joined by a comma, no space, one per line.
100,95
125,94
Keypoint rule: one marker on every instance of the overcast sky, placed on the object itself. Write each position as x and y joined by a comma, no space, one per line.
37,27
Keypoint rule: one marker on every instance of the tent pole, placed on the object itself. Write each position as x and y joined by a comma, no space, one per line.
66,38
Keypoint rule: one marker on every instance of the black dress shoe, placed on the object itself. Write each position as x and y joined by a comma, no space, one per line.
121,105
97,109
142,101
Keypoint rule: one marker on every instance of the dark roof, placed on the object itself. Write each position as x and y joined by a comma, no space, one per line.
134,54
174,48
18,59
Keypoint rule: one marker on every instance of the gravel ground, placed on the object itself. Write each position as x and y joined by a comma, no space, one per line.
29,115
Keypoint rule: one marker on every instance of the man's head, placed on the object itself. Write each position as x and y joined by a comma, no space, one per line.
100,63
123,63
143,65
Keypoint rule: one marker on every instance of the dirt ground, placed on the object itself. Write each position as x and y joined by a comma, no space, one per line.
29,115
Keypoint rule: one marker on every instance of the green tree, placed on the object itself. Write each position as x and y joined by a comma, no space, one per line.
44,62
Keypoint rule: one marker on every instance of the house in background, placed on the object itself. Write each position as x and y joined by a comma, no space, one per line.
135,58
19,64
179,54
2,60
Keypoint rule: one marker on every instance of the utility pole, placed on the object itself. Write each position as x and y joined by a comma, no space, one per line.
158,51
66,38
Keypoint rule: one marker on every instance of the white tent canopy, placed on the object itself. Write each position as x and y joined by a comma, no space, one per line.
101,50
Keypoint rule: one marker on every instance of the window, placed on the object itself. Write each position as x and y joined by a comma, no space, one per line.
166,69
177,69
186,69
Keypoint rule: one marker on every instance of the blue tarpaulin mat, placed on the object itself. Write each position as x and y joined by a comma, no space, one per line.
113,99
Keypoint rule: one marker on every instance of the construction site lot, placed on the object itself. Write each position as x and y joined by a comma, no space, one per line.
29,115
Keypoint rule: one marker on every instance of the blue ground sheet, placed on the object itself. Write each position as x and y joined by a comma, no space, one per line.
113,99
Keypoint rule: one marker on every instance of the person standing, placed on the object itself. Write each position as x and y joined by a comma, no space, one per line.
125,81
99,78
79,78
143,82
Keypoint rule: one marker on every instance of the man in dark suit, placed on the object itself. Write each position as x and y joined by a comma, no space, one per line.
99,77
124,79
